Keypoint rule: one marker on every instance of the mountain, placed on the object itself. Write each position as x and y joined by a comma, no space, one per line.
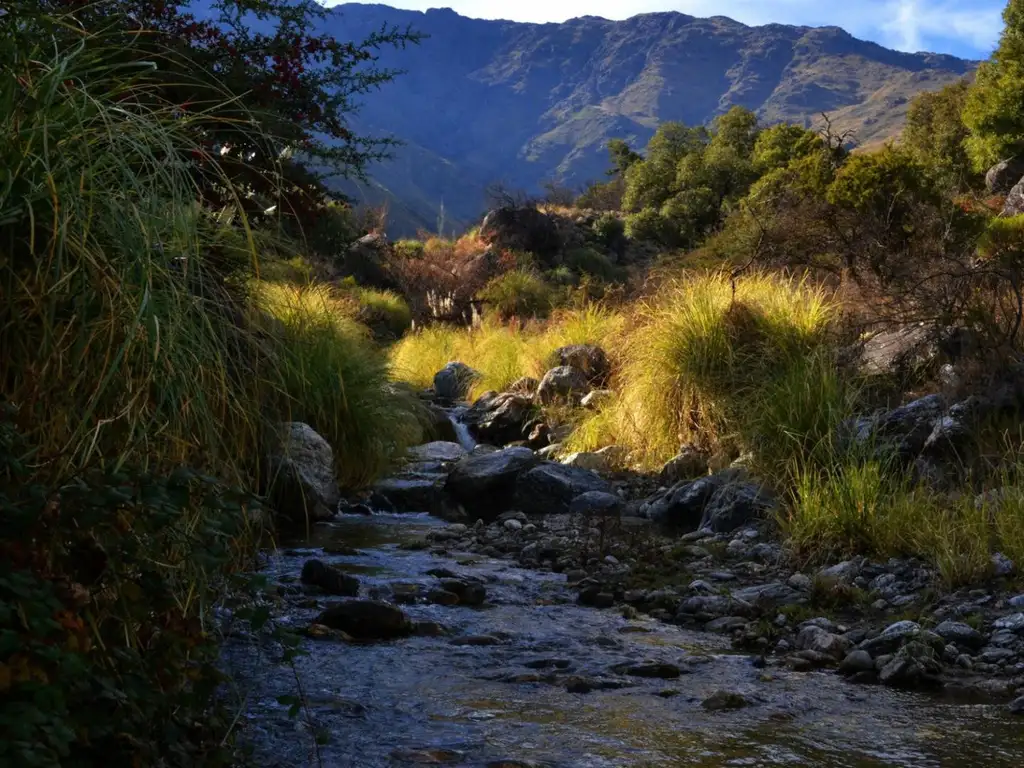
520,104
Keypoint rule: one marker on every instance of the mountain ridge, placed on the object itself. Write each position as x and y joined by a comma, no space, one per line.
486,101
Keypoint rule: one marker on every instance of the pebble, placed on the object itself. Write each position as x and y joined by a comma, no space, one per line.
513,525
800,581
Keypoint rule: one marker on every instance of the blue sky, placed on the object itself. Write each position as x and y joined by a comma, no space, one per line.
968,28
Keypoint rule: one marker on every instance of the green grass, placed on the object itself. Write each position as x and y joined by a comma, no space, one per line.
520,293
704,365
502,352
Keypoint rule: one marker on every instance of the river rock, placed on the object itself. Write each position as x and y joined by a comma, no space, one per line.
913,666
302,481
414,492
550,488
440,451
857,662
768,596
590,359
891,638
562,384
499,419
1012,623
688,464
367,620
470,593
332,581
820,641
735,505
485,484
596,504
1014,204
722,700
1017,706
454,381
961,634
653,669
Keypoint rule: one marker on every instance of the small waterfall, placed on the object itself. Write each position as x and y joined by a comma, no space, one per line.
462,430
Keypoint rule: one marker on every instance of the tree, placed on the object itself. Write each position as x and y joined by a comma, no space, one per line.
935,132
738,130
266,97
994,108
778,146
622,157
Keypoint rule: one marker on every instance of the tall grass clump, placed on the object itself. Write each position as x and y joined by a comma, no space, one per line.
719,363
333,377
140,378
502,352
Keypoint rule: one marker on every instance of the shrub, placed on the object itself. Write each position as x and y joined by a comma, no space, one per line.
705,364
519,293
609,229
409,249
645,225
587,261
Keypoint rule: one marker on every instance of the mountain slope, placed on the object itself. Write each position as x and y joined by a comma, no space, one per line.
496,101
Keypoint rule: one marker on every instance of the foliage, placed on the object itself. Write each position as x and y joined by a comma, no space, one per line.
104,655
609,229
994,108
519,293
935,133
502,352
778,146
587,261
705,365
647,224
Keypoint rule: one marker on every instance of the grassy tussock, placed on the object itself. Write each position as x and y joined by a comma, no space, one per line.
502,352
750,368
333,377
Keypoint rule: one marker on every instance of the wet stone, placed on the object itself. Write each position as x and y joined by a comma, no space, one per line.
367,620
960,633
578,684
332,581
477,640
654,669
469,593
724,700
1013,623
857,661
442,597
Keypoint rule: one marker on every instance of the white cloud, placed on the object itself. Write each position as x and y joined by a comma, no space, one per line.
964,27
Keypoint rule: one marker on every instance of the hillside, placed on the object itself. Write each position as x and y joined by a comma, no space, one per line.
496,101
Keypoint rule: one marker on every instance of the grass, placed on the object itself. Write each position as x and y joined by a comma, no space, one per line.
502,352
144,371
705,365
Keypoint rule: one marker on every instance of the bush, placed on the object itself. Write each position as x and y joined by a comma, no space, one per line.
609,229
646,225
706,366
409,249
587,261
518,294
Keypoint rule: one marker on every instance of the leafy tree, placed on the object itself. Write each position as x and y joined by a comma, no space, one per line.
936,134
267,98
650,182
994,109
737,129
778,146
622,157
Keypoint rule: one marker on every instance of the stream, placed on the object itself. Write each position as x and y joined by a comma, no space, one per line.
453,700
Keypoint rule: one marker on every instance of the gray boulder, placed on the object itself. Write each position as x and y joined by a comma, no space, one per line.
1003,176
486,483
454,381
521,228
415,492
812,638
597,504
1014,205
302,483
588,358
735,505
961,634
563,384
500,419
688,464
438,451
550,488
332,581
768,597
914,666
367,620
682,508
719,503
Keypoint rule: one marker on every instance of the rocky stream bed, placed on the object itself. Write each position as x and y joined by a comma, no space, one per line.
455,655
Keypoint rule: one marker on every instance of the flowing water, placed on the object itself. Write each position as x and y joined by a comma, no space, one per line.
434,700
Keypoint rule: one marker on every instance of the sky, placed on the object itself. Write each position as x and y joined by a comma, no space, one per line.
966,28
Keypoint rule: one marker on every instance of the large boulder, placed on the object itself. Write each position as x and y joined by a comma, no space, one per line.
438,451
521,228
564,383
367,261
500,419
415,492
901,432
551,488
588,358
1014,204
688,464
302,484
454,381
1003,176
720,503
367,620
486,483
